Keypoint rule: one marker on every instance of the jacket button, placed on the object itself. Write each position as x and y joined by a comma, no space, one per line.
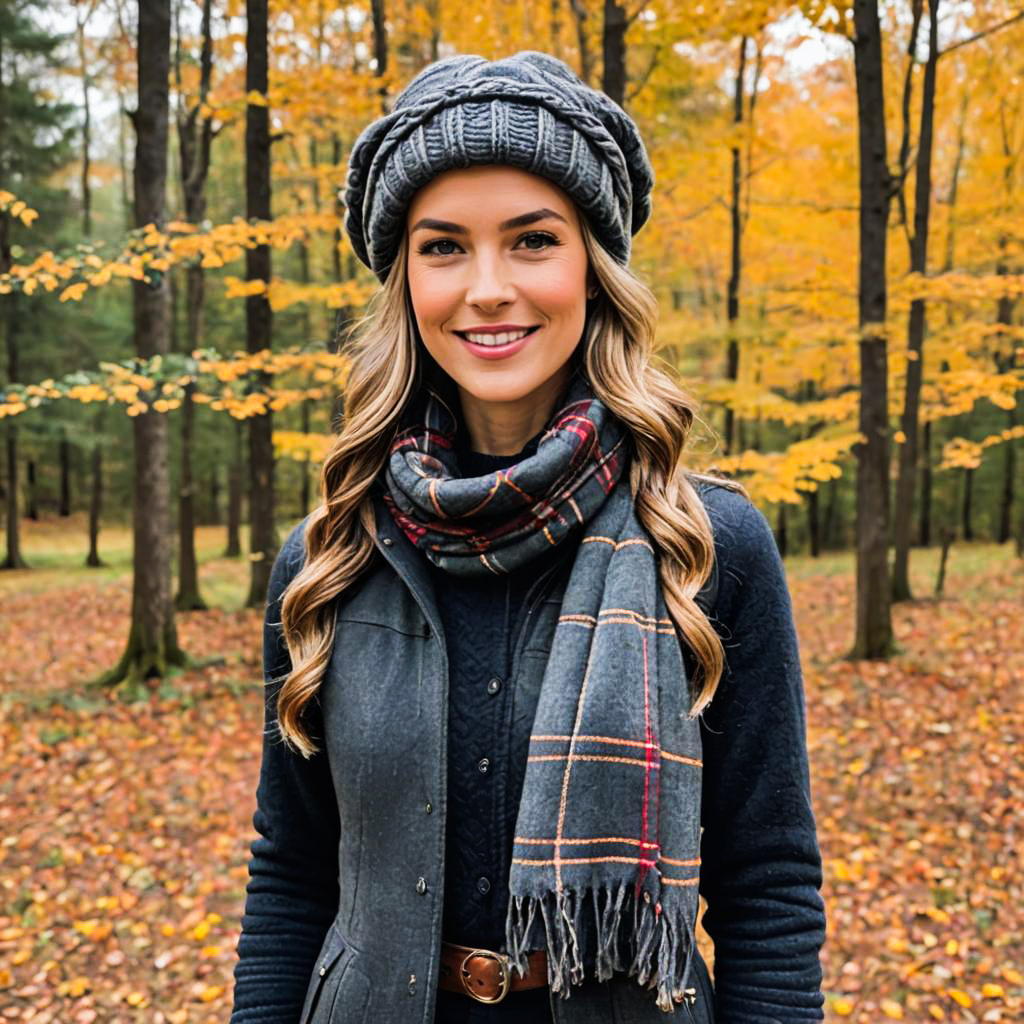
428,807
412,984
484,765
493,685
386,541
483,885
421,885
323,971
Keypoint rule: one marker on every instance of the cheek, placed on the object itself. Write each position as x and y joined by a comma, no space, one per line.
561,290
428,301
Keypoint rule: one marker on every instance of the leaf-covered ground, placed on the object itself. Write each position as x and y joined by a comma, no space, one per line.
124,828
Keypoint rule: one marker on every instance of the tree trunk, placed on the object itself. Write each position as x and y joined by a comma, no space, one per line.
86,126
613,50
213,497
380,45
906,481
732,368
64,461
152,641
924,528
236,474
307,469
579,10
813,527
195,136
967,506
829,529
93,559
263,542
13,559
873,635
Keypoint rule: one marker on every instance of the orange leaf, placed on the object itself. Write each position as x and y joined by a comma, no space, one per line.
959,996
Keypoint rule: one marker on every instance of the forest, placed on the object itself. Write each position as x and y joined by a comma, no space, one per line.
837,246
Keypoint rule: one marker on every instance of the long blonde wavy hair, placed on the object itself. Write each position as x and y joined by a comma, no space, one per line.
387,365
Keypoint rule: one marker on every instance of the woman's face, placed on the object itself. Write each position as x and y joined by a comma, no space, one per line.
495,252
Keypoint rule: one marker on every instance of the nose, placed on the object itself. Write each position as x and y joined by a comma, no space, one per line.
489,285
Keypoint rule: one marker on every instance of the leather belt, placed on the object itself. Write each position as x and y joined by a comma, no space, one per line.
484,975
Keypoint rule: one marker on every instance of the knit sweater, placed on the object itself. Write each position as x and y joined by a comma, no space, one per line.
761,867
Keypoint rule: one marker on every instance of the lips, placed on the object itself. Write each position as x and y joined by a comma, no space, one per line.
482,350
511,336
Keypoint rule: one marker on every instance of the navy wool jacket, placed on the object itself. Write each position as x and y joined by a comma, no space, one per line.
761,866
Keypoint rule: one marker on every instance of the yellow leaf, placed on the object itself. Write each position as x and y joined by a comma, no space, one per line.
210,993
842,1007
990,990
937,1012
959,996
74,292
255,99
952,947
896,945
135,998
892,1009
27,216
1013,976
74,987
201,930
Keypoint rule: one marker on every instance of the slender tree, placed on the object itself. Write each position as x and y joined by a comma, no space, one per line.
195,139
873,637
34,142
263,542
906,482
152,646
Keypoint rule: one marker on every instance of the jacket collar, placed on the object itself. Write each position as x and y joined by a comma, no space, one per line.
401,554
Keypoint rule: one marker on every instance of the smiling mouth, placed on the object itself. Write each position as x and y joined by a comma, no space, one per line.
497,340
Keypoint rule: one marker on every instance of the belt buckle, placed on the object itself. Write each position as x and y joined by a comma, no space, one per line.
506,978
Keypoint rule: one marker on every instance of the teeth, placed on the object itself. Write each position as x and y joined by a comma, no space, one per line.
494,340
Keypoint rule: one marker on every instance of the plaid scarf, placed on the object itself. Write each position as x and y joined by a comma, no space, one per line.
606,858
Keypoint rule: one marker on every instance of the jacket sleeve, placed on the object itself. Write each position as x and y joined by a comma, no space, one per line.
292,893
761,866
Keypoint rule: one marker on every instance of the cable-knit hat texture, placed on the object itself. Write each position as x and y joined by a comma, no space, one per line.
530,110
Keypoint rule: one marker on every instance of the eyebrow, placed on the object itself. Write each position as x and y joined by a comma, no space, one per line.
522,220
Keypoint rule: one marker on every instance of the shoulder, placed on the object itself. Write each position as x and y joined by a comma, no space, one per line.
745,548
739,527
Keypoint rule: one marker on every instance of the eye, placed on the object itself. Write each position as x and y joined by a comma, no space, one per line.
544,236
427,249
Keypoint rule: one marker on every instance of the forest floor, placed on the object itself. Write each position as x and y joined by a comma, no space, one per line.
125,827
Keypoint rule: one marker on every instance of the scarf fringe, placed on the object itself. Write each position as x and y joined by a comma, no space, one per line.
659,950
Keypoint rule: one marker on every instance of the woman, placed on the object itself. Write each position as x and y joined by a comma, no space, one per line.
493,780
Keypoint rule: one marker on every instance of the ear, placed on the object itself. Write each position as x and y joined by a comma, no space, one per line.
593,287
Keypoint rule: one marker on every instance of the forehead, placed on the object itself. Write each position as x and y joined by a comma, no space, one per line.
487,192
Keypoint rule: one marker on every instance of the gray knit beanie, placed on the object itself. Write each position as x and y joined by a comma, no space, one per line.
530,110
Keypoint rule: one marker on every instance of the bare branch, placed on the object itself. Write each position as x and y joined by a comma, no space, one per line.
983,33
645,77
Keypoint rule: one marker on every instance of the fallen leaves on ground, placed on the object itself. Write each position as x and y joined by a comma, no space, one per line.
126,827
